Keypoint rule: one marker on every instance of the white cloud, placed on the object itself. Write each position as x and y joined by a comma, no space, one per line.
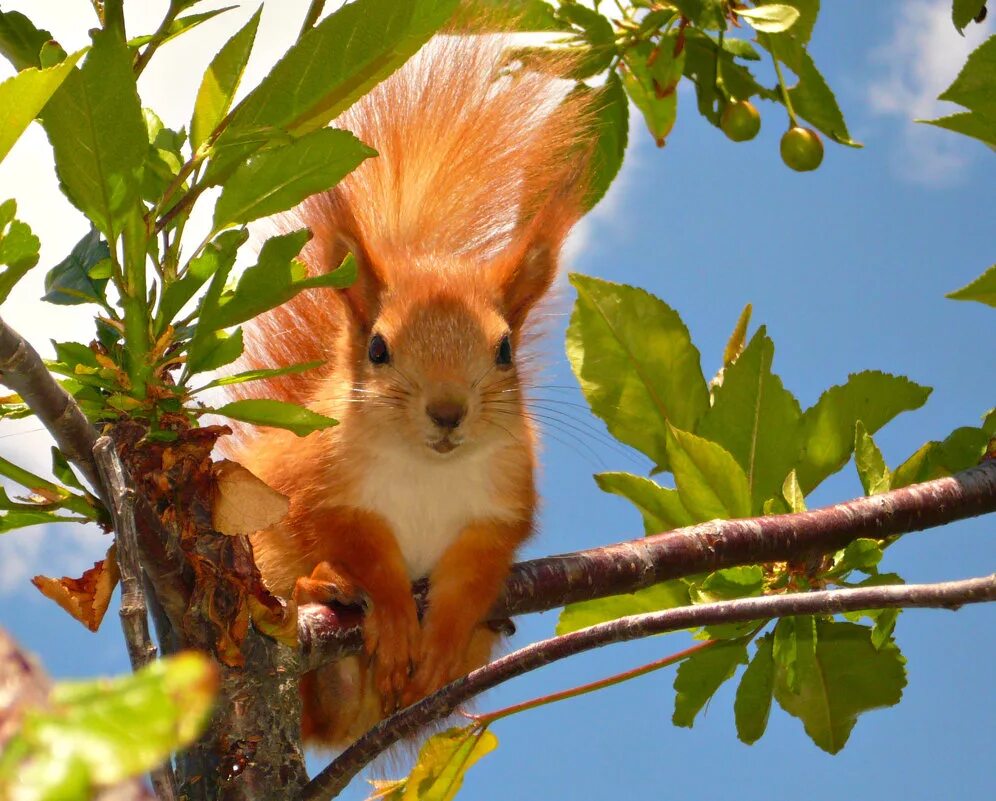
920,60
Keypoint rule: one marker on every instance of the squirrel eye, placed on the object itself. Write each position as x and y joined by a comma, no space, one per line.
504,357
378,352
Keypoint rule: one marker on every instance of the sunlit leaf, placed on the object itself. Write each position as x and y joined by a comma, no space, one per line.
961,449
709,481
770,17
215,350
18,249
660,507
263,412
666,595
24,95
982,289
872,470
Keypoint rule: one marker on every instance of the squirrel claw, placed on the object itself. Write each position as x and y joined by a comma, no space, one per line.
391,639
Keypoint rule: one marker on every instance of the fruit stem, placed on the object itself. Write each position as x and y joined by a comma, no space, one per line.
781,83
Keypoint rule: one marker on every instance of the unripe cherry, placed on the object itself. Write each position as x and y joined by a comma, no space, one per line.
802,149
740,121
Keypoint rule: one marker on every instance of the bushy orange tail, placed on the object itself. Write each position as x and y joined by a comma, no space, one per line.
473,154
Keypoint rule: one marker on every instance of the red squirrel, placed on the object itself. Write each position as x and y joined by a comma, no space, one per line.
456,227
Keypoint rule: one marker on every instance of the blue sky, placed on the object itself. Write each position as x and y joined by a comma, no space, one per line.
846,266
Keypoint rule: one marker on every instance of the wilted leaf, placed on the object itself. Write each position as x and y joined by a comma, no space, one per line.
982,289
700,675
756,419
636,363
87,597
709,481
244,504
660,507
666,595
828,426
753,700
845,676
263,412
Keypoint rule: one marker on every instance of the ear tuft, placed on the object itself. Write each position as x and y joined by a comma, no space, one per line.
524,279
363,296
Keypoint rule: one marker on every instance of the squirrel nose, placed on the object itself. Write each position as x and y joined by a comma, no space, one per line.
446,413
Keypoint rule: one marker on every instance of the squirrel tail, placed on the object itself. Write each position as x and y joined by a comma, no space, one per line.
476,153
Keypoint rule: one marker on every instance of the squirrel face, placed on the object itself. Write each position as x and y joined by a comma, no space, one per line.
439,368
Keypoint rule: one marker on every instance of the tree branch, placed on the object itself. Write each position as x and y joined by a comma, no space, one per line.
334,778
327,634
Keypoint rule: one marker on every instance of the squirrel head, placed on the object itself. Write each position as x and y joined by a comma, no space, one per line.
436,356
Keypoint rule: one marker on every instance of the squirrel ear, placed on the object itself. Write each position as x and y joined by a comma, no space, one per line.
363,295
524,278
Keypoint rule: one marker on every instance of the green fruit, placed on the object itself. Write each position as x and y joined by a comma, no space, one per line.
802,149
740,121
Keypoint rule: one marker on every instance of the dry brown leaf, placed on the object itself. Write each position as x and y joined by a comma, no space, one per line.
243,503
280,624
87,597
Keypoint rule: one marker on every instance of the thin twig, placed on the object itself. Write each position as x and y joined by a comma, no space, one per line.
334,778
541,584
133,612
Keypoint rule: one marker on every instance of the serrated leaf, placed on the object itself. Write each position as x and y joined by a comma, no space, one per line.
982,289
20,41
24,95
278,414
666,595
828,426
660,507
974,87
709,481
329,67
770,17
18,249
69,283
278,179
610,122
965,11
968,123
872,470
215,350
756,419
753,700
111,729
845,677
179,26
738,337
794,643
95,124
961,449
700,675
635,362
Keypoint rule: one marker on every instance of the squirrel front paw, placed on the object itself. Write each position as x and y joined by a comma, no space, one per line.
391,637
325,585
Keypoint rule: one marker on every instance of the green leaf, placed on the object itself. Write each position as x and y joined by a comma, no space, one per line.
221,81
862,554
982,289
811,97
179,26
62,471
753,701
333,64
22,518
828,427
217,258
69,282
794,644
963,448
710,483
441,765
262,412
732,582
278,179
974,88
110,729
611,133
500,16
792,493
635,362
95,124
770,17
706,14
965,11
845,676
18,248
756,419
700,675
808,10
594,31
660,507
256,375
24,95
701,54
20,41
868,459
659,110
666,595
968,123
216,350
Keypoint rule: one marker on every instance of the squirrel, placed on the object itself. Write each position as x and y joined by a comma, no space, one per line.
456,227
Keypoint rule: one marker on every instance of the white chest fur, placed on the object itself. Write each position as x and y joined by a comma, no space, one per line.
428,501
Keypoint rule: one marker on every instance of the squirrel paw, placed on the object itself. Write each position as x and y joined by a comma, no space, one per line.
391,637
440,661
325,586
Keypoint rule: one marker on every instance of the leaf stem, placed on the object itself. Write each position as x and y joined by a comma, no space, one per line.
142,60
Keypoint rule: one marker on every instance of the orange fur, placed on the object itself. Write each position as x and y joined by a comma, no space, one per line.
457,225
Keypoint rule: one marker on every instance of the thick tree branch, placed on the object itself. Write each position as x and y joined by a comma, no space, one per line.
334,778
328,634
22,369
